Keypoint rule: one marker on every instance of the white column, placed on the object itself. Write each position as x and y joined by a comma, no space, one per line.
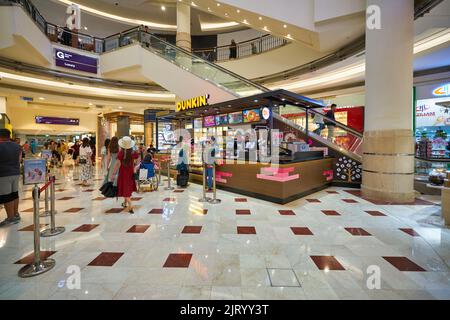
388,160
183,26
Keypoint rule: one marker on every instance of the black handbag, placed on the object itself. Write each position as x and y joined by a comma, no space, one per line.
108,190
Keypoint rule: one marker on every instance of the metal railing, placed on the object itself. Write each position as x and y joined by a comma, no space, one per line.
240,50
87,42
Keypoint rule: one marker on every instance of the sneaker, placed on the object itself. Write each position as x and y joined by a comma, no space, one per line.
8,222
17,216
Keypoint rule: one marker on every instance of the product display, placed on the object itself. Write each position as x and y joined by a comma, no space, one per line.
235,118
253,115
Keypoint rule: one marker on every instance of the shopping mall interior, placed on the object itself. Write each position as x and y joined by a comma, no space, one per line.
225,150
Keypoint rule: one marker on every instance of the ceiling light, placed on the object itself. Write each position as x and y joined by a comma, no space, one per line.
226,14
260,18
218,4
120,107
209,9
218,25
163,8
89,89
85,28
91,104
121,18
255,100
265,28
245,21
193,4
284,26
41,98
289,36
238,11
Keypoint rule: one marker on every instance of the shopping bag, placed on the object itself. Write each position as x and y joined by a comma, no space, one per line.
143,173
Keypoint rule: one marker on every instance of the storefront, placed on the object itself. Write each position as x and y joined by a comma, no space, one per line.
247,136
432,127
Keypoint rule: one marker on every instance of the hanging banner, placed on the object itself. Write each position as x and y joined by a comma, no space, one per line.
75,61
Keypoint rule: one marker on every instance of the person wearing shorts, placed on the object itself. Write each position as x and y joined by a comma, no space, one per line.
9,177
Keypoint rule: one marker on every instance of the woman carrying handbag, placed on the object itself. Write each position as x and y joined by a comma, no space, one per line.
126,184
85,162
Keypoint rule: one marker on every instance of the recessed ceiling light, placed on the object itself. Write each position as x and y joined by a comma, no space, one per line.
245,21
289,36
41,98
284,26
120,107
163,8
255,100
218,4
260,18
209,9
226,14
238,11
91,104
85,28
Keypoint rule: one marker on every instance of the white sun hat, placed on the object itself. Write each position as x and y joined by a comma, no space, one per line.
126,143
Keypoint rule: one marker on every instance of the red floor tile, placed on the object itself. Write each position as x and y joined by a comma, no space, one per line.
88,190
66,198
178,260
30,258
169,199
331,212
85,228
106,259
349,201
115,210
286,212
136,198
60,190
332,192
99,199
410,231
376,213
240,199
192,229
246,230
156,211
31,227
358,232
138,228
178,191
243,212
73,210
301,231
313,200
403,264
327,263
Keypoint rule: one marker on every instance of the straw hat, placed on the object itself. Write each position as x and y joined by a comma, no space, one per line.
126,143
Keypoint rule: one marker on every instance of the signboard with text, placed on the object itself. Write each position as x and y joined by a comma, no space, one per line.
430,114
56,120
75,61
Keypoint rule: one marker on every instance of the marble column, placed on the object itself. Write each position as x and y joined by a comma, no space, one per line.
388,147
183,39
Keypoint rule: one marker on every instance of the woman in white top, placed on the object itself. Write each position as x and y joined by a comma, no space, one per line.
318,120
104,154
85,162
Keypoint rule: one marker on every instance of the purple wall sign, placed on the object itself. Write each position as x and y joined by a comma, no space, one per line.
75,61
55,120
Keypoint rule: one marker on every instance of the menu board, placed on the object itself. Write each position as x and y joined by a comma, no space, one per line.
209,121
253,115
235,118
221,119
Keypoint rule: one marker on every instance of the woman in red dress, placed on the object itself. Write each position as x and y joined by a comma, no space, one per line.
125,164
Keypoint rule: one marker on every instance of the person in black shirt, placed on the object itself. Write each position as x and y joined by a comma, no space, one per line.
233,50
9,177
330,125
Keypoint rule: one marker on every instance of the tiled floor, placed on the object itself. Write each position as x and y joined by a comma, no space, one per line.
324,246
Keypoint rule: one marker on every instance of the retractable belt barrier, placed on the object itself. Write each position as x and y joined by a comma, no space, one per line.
169,185
38,266
53,230
214,200
204,198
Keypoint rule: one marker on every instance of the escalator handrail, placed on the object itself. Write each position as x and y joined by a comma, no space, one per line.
212,65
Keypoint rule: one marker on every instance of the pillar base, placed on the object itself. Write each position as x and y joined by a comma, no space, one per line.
388,166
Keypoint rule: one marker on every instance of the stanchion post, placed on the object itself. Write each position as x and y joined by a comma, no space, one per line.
169,185
214,200
204,198
159,172
53,230
38,266
47,211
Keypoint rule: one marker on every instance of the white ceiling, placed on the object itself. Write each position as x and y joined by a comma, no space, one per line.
54,11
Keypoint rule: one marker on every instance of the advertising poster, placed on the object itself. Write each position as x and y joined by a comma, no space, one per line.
46,154
430,114
34,171
253,115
